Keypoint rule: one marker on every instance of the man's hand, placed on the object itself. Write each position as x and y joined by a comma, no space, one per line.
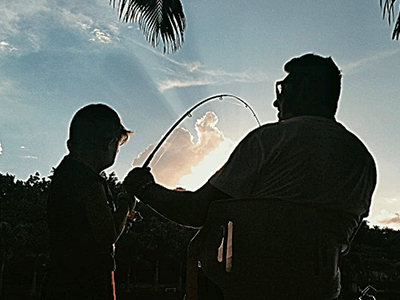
137,180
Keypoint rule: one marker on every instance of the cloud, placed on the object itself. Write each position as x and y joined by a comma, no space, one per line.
25,152
24,25
385,212
6,85
13,12
181,151
74,19
207,167
6,47
29,157
100,36
394,220
21,22
1,149
194,74
356,65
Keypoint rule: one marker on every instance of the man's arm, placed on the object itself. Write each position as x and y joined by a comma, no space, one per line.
121,214
105,226
183,207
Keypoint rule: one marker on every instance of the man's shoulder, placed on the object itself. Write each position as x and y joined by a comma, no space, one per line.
297,122
275,129
267,127
314,126
70,173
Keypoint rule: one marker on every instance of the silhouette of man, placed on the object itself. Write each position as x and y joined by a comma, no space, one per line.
306,158
83,222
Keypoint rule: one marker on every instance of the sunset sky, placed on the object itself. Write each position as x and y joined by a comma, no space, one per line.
57,56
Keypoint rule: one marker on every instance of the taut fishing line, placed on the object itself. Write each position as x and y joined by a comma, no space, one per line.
189,114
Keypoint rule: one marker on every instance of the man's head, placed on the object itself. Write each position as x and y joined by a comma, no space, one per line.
312,87
97,129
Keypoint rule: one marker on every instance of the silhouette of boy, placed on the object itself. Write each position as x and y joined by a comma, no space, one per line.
83,222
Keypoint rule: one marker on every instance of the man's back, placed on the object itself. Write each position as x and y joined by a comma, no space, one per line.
306,163
308,160
72,240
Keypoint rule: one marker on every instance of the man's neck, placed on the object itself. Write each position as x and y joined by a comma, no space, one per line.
311,114
86,159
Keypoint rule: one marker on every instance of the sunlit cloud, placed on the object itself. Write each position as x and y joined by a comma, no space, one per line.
194,74
386,214
394,220
182,151
207,167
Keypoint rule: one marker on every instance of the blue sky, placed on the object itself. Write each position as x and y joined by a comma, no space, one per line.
58,56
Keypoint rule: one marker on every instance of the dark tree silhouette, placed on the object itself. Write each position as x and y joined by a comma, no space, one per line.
23,230
158,19
388,9
374,258
24,239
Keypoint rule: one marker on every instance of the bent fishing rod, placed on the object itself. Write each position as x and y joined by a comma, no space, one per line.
136,217
189,114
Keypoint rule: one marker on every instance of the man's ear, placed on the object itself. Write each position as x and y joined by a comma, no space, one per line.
107,145
110,144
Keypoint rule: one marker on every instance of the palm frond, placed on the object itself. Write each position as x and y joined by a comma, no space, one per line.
396,30
158,19
388,9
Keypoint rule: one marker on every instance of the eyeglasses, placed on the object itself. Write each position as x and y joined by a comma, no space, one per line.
279,86
291,80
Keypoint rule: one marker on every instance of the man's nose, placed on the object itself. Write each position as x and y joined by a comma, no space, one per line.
275,103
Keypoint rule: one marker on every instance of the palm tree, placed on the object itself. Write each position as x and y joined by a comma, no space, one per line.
158,19
388,10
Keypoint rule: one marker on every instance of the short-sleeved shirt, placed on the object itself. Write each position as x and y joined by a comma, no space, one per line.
306,159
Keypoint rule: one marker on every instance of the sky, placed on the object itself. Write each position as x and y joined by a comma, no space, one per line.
58,56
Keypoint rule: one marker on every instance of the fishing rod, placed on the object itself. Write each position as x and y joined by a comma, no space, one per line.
135,216
188,114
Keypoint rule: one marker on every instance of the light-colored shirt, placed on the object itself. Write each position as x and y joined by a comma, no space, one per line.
306,159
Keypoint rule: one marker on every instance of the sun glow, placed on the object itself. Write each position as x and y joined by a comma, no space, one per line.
208,166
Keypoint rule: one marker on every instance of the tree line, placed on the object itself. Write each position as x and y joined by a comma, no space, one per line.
151,255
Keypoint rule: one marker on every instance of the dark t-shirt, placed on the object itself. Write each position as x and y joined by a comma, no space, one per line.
71,237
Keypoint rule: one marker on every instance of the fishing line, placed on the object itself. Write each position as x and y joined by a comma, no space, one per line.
166,149
189,114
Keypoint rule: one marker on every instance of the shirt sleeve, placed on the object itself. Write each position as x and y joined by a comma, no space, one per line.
238,176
